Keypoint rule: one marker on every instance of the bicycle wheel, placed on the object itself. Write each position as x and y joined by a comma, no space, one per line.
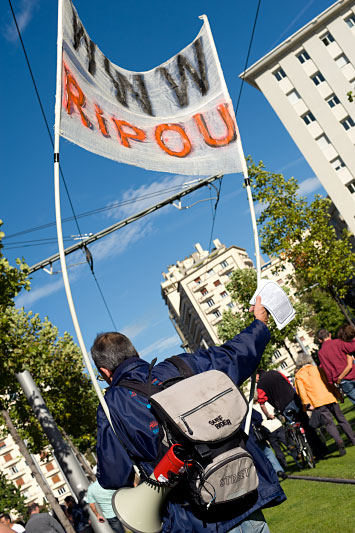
306,451
293,447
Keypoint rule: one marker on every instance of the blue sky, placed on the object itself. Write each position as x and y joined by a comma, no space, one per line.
128,264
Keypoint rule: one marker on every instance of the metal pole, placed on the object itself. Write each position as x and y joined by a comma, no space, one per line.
62,452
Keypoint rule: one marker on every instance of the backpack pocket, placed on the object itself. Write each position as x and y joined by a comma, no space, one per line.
230,476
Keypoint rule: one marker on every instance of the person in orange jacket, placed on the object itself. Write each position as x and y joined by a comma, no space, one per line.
317,395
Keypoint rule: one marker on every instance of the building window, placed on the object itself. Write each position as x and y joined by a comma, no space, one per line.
210,302
49,467
8,457
337,163
303,56
341,61
25,493
277,354
350,21
293,97
333,100
279,74
216,283
62,490
210,272
318,78
2,444
230,305
217,313
351,187
14,469
19,482
323,142
347,123
283,365
224,294
327,39
55,479
308,118
229,274
197,280
224,264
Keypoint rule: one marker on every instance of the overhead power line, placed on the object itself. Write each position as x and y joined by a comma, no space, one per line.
125,222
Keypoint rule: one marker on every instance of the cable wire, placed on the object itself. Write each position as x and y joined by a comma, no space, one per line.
52,143
248,54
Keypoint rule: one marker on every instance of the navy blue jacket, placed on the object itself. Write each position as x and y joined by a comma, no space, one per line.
135,423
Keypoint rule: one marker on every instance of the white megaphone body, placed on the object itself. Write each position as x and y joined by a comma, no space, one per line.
138,508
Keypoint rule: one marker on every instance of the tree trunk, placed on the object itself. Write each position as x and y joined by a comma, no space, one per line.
45,489
343,307
90,474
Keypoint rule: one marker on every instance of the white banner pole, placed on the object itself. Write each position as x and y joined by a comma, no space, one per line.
251,207
58,102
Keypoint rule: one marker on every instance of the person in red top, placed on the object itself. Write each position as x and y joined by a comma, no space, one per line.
336,360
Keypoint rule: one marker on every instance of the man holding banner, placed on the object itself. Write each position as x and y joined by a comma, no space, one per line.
138,431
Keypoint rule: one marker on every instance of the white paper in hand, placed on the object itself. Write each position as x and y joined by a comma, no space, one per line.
276,301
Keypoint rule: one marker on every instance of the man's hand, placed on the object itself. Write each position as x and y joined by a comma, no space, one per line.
101,518
259,311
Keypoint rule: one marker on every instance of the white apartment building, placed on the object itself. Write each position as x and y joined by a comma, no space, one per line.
306,80
15,468
195,292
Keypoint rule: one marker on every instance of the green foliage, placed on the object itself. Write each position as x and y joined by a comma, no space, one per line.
12,279
11,499
300,233
242,287
326,313
56,365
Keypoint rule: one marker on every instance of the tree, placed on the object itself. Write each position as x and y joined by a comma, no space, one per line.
11,499
326,313
242,287
300,233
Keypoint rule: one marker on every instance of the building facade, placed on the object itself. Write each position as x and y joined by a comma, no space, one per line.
15,468
195,292
306,80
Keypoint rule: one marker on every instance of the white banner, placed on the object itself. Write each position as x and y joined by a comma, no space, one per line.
177,117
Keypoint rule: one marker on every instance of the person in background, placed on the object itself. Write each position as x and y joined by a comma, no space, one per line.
261,435
96,494
275,388
336,361
41,522
317,395
79,515
6,520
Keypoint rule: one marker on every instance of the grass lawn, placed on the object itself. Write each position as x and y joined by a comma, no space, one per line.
317,507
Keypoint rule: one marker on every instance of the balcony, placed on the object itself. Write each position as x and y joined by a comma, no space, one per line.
216,320
199,286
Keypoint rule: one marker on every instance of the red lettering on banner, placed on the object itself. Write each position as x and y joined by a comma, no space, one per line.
229,122
101,120
75,99
124,136
159,130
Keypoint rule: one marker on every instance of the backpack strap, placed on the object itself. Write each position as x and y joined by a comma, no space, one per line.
147,389
181,365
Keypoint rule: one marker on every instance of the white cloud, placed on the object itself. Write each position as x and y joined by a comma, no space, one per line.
160,345
133,330
152,193
27,298
309,185
23,18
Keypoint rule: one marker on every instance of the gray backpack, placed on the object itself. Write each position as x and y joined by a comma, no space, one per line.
204,413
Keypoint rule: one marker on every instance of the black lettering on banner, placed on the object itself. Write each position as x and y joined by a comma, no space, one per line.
123,86
200,77
79,33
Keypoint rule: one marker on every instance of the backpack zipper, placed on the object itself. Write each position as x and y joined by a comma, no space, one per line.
188,413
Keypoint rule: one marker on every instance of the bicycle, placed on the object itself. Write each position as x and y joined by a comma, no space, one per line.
297,444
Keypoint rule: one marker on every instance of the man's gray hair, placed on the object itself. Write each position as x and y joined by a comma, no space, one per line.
302,360
110,349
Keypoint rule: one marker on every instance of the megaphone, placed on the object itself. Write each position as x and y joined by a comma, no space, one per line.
139,508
